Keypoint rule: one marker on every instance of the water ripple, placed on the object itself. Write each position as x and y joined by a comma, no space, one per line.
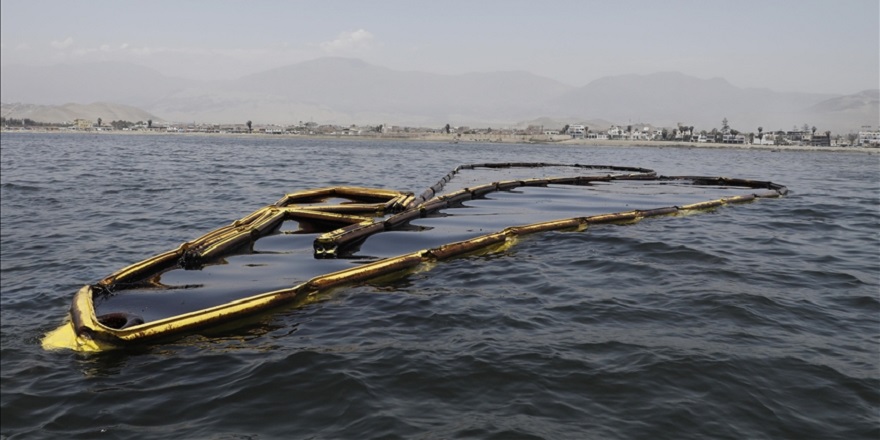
751,321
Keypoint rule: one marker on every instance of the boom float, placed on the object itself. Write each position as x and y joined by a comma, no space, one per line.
111,313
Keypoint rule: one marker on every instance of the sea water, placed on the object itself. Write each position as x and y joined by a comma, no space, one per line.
759,320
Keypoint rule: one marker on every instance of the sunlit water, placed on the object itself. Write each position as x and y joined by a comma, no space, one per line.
754,321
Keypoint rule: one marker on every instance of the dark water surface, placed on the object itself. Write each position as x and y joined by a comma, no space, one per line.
757,321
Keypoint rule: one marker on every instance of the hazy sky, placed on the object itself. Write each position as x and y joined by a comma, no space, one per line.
786,45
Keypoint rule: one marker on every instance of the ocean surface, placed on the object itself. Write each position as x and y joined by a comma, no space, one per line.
758,321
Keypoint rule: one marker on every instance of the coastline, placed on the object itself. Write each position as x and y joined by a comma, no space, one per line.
455,138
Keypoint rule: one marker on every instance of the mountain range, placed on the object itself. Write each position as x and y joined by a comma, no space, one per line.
351,91
108,112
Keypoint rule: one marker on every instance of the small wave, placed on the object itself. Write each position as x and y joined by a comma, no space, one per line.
16,187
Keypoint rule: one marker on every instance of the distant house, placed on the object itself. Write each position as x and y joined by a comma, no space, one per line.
797,135
868,139
684,132
644,132
766,140
731,138
821,140
577,131
615,132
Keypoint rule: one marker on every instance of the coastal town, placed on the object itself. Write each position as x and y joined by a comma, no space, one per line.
866,136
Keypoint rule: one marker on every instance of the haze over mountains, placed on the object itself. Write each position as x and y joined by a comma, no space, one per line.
349,91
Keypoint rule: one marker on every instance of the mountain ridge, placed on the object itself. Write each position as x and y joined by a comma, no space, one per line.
69,112
349,90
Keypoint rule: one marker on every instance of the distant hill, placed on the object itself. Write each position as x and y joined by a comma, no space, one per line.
865,100
348,90
861,108
351,91
671,97
58,84
69,112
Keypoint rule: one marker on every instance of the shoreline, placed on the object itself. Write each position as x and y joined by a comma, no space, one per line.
465,139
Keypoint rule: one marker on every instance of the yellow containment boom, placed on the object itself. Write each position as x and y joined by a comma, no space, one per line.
369,211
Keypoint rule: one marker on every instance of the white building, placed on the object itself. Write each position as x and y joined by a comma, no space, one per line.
577,131
869,139
766,140
615,132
